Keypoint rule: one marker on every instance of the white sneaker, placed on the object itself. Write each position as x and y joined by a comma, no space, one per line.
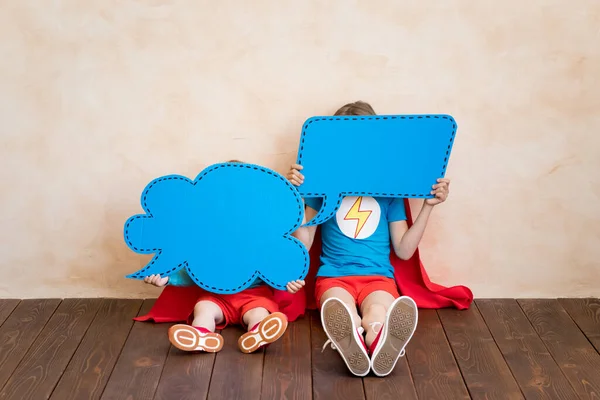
344,336
399,326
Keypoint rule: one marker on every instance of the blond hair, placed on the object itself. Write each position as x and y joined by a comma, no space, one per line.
356,108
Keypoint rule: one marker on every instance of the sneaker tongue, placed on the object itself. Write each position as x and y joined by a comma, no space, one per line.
362,339
374,344
255,327
202,330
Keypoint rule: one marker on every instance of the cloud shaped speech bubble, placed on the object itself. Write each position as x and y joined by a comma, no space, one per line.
380,155
227,227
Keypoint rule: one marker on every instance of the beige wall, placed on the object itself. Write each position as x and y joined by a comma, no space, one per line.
99,97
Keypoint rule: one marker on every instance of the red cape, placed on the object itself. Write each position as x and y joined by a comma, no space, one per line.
175,303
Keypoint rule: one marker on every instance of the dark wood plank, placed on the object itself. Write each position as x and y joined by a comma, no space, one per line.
20,330
330,376
41,368
533,367
586,314
236,375
577,358
434,369
287,365
397,385
89,369
138,369
483,368
185,376
6,308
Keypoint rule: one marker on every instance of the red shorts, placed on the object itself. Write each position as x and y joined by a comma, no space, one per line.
358,286
234,306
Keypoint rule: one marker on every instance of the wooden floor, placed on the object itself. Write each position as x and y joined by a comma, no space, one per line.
499,349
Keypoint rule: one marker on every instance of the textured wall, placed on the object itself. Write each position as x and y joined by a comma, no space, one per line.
99,97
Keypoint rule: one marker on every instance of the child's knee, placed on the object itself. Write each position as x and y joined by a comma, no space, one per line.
207,307
375,312
257,312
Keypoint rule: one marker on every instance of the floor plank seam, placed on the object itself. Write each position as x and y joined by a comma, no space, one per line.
262,373
161,372
579,327
212,370
307,315
11,313
29,348
545,346
120,354
162,369
512,373
77,348
462,375
410,373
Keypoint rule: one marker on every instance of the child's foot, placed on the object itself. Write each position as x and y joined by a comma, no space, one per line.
344,336
388,346
189,338
265,332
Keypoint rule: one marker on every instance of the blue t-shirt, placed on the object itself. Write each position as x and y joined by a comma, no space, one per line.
356,241
182,278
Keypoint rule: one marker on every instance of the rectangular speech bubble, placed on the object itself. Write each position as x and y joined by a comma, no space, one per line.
379,155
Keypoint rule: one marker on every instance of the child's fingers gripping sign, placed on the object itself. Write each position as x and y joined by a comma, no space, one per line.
156,280
294,175
440,190
294,286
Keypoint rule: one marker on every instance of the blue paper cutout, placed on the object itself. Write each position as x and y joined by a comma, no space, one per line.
227,227
382,156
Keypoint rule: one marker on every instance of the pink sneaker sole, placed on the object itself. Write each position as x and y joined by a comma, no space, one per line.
269,330
188,338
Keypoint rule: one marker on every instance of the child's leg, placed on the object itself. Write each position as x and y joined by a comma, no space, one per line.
374,309
201,335
254,316
207,314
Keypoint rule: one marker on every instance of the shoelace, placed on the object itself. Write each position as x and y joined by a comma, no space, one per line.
373,324
328,342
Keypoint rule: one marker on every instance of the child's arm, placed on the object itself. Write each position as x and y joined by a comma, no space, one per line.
406,240
305,234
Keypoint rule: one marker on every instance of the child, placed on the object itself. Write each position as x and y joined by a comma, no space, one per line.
257,308
254,308
356,271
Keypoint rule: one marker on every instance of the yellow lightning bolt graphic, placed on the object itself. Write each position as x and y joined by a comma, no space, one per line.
360,216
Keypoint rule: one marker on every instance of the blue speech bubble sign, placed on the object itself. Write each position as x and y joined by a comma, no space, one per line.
379,155
227,227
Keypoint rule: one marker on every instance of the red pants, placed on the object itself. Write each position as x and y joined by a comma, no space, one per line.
358,286
234,306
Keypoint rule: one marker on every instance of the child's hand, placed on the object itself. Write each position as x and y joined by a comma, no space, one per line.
294,176
441,191
156,280
294,286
